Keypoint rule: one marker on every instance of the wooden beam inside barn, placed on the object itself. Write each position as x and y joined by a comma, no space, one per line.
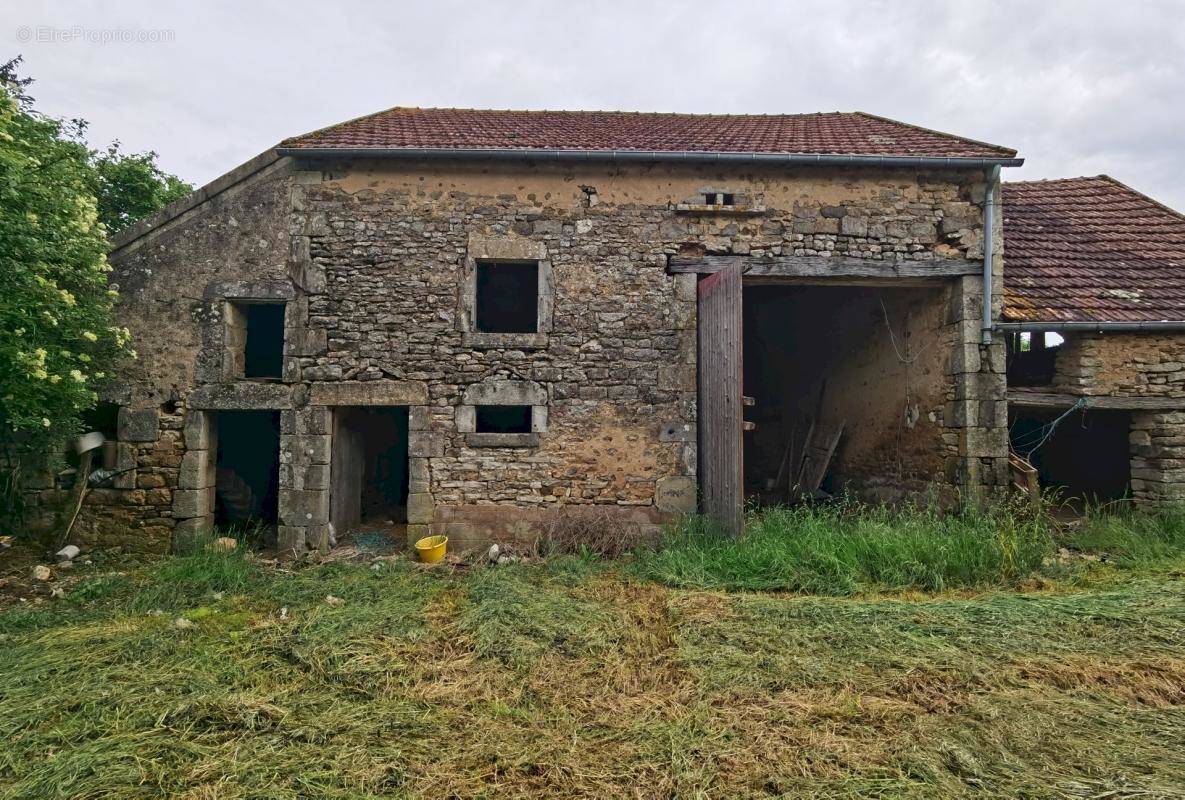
1059,400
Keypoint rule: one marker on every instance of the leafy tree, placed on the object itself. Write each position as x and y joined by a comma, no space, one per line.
58,201
130,186
56,333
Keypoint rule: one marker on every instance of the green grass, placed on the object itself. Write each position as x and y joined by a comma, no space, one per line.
517,622
576,678
1132,539
1019,695
844,550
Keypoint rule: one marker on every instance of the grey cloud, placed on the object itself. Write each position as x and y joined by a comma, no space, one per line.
1077,87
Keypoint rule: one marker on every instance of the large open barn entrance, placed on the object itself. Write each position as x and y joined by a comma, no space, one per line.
369,467
247,469
1083,454
847,383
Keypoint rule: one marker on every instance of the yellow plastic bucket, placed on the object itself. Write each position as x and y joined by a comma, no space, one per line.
431,548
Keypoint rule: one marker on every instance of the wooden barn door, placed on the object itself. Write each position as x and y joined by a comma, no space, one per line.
720,405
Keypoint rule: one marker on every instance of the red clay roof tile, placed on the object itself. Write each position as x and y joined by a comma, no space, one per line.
837,133
1091,250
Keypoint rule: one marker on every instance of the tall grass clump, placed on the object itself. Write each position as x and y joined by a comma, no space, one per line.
1131,538
191,576
847,548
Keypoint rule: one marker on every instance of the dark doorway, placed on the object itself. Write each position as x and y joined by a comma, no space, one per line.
247,473
845,381
370,467
1085,455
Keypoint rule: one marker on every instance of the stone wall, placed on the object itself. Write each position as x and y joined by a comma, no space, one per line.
240,234
393,247
375,263
1138,366
1121,364
1158,458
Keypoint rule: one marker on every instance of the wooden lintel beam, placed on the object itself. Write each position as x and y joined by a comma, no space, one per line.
1030,399
825,267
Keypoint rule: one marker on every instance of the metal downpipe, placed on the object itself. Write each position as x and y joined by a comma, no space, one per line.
989,236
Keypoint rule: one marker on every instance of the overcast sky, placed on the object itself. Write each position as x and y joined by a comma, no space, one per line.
1079,88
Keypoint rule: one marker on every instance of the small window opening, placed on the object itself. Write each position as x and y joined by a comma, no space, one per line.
104,418
507,297
263,352
503,419
719,198
1032,357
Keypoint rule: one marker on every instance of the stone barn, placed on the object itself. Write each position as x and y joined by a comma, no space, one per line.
475,322
1094,315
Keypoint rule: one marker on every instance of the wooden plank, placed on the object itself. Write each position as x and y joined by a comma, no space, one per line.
1033,399
817,456
825,267
346,468
794,486
1025,479
720,406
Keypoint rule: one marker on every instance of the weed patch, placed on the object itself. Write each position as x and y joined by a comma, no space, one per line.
838,550
1132,539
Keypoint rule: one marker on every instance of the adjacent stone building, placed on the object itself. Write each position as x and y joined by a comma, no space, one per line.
1095,308
473,322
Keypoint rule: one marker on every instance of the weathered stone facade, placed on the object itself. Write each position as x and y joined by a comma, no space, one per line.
375,260
1145,368
1121,364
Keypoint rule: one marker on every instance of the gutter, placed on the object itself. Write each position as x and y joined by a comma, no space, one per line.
989,236
710,156
1097,327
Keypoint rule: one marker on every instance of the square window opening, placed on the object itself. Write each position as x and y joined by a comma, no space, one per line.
104,419
263,350
1032,357
507,297
503,419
